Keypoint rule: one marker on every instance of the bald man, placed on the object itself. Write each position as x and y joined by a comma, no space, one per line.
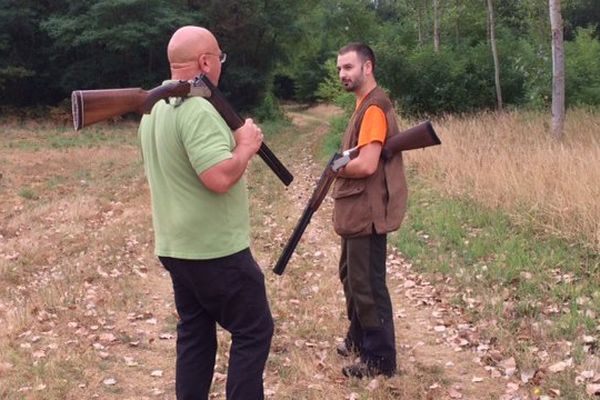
195,169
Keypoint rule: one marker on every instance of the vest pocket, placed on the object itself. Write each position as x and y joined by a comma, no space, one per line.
351,213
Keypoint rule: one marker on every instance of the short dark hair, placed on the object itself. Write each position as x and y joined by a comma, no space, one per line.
362,50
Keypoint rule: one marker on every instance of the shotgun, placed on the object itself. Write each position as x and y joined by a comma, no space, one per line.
420,136
91,106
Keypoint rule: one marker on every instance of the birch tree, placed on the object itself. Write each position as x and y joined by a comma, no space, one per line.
436,26
492,30
558,70
419,6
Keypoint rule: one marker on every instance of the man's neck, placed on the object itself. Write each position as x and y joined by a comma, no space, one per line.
183,71
365,89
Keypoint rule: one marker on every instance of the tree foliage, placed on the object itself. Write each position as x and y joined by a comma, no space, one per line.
284,49
582,65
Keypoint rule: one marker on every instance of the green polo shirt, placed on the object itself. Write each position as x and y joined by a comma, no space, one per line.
190,221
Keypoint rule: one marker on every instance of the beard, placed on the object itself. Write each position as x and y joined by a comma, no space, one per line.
351,84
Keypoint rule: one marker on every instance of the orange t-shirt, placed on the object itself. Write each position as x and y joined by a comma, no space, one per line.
373,127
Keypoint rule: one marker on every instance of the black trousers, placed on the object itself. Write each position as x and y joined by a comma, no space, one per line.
362,272
229,291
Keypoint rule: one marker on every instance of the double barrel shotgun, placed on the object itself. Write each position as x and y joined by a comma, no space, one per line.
420,136
91,106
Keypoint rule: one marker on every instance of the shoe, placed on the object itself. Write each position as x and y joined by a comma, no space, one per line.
361,370
343,350
347,348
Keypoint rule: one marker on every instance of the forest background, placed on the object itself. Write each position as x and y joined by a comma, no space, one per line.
433,56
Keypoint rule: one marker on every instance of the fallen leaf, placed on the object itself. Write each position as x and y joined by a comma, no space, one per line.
592,389
110,381
219,377
509,366
527,375
373,385
561,366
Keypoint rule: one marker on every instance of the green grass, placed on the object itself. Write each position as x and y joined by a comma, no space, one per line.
332,141
520,276
39,373
483,250
273,127
49,137
28,193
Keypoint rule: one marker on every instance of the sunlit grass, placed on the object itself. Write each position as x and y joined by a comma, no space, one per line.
509,161
513,219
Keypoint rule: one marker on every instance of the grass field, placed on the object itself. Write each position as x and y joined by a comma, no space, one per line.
499,254
513,219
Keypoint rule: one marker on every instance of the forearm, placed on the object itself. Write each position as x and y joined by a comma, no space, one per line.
365,164
355,170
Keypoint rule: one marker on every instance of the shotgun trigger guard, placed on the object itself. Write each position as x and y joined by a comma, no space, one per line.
174,101
199,88
340,161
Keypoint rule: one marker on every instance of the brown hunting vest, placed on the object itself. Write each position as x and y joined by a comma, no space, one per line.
377,203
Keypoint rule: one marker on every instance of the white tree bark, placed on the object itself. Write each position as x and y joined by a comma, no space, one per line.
420,21
558,70
436,26
492,30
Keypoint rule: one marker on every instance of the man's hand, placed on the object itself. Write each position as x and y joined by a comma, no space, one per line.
248,138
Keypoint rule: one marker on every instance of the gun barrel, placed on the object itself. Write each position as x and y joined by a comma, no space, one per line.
319,193
285,256
276,166
234,121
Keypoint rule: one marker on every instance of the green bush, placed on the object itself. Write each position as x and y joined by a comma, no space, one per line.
582,65
535,65
330,88
448,81
269,109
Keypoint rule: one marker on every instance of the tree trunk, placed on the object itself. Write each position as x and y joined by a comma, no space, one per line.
436,26
495,54
458,6
558,70
420,21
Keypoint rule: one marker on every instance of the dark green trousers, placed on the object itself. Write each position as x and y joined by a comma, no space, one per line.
362,272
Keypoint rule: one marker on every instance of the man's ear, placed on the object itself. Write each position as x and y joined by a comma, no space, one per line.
368,67
203,65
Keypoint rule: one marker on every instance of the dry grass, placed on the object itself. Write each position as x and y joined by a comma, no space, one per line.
509,161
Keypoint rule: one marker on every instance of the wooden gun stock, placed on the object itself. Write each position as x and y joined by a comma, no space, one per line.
91,106
417,137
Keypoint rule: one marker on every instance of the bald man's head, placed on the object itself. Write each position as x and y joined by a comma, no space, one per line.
188,52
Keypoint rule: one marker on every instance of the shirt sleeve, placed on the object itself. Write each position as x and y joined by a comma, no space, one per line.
206,139
373,127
